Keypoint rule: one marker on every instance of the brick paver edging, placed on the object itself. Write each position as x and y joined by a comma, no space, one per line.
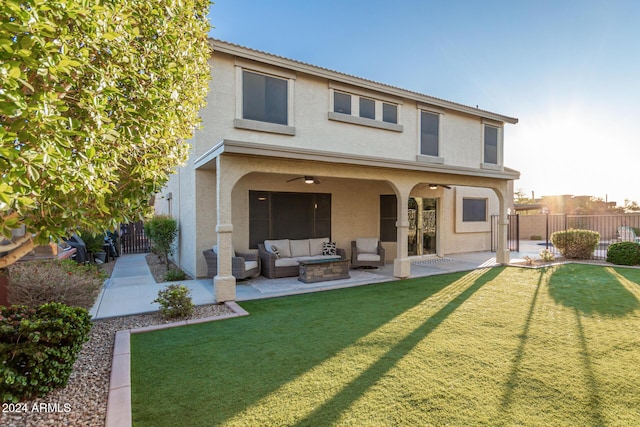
119,401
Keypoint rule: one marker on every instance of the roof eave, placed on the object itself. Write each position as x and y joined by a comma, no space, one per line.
298,66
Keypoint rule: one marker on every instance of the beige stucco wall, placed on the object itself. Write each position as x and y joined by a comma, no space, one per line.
355,191
460,138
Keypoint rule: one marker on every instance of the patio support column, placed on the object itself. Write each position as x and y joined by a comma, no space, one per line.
402,263
502,253
224,282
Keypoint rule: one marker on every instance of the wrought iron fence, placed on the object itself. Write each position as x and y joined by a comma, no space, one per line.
513,233
612,229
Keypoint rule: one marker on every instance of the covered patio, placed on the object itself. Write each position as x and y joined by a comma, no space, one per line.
234,168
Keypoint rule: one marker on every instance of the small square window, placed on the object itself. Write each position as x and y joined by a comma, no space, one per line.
342,103
474,210
367,108
389,113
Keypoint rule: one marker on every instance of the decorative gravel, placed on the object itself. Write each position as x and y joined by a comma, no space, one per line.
83,402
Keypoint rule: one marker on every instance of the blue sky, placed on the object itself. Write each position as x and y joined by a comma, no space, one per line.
568,70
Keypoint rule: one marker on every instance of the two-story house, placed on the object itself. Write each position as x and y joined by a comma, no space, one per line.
292,150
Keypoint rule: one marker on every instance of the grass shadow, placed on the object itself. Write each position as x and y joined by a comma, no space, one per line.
591,290
282,340
513,378
330,411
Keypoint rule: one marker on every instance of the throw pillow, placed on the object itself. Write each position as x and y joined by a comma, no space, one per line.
275,251
329,248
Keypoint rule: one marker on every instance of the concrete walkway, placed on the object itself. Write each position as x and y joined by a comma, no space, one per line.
131,288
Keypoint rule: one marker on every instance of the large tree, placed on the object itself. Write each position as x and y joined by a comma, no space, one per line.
96,101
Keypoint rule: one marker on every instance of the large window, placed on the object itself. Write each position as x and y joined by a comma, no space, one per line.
388,218
429,133
490,144
474,210
264,98
280,215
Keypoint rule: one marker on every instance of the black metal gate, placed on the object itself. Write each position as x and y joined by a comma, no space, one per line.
513,233
132,238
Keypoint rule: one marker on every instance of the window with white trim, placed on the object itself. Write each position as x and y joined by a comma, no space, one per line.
389,113
342,103
429,133
491,140
264,98
367,108
358,108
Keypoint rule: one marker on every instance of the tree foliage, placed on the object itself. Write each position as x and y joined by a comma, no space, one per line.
96,99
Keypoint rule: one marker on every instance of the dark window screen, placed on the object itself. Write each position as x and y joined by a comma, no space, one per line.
474,210
264,98
388,218
429,133
280,215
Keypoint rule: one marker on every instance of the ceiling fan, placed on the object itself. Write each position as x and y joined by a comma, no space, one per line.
307,179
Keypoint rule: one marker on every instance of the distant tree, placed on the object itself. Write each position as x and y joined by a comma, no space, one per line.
96,99
631,206
520,197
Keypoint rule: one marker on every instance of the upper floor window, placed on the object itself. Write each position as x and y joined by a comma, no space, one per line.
429,133
355,106
490,144
264,98
389,113
368,108
342,103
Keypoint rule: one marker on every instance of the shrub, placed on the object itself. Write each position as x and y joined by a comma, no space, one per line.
546,255
38,347
38,282
162,230
578,244
175,301
94,242
624,253
174,274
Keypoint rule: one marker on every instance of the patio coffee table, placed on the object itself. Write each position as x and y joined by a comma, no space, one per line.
324,269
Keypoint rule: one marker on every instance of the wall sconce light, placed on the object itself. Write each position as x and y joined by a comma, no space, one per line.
433,186
309,180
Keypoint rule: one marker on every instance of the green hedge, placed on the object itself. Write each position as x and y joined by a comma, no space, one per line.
163,231
624,253
577,244
38,347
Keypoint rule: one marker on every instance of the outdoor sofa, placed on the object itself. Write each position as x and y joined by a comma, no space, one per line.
281,258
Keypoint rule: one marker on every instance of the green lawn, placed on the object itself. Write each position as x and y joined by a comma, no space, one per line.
499,347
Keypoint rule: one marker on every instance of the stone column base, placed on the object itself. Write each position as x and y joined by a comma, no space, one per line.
402,267
225,288
502,256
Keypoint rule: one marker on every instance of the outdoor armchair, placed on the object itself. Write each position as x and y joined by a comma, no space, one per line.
367,252
242,265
